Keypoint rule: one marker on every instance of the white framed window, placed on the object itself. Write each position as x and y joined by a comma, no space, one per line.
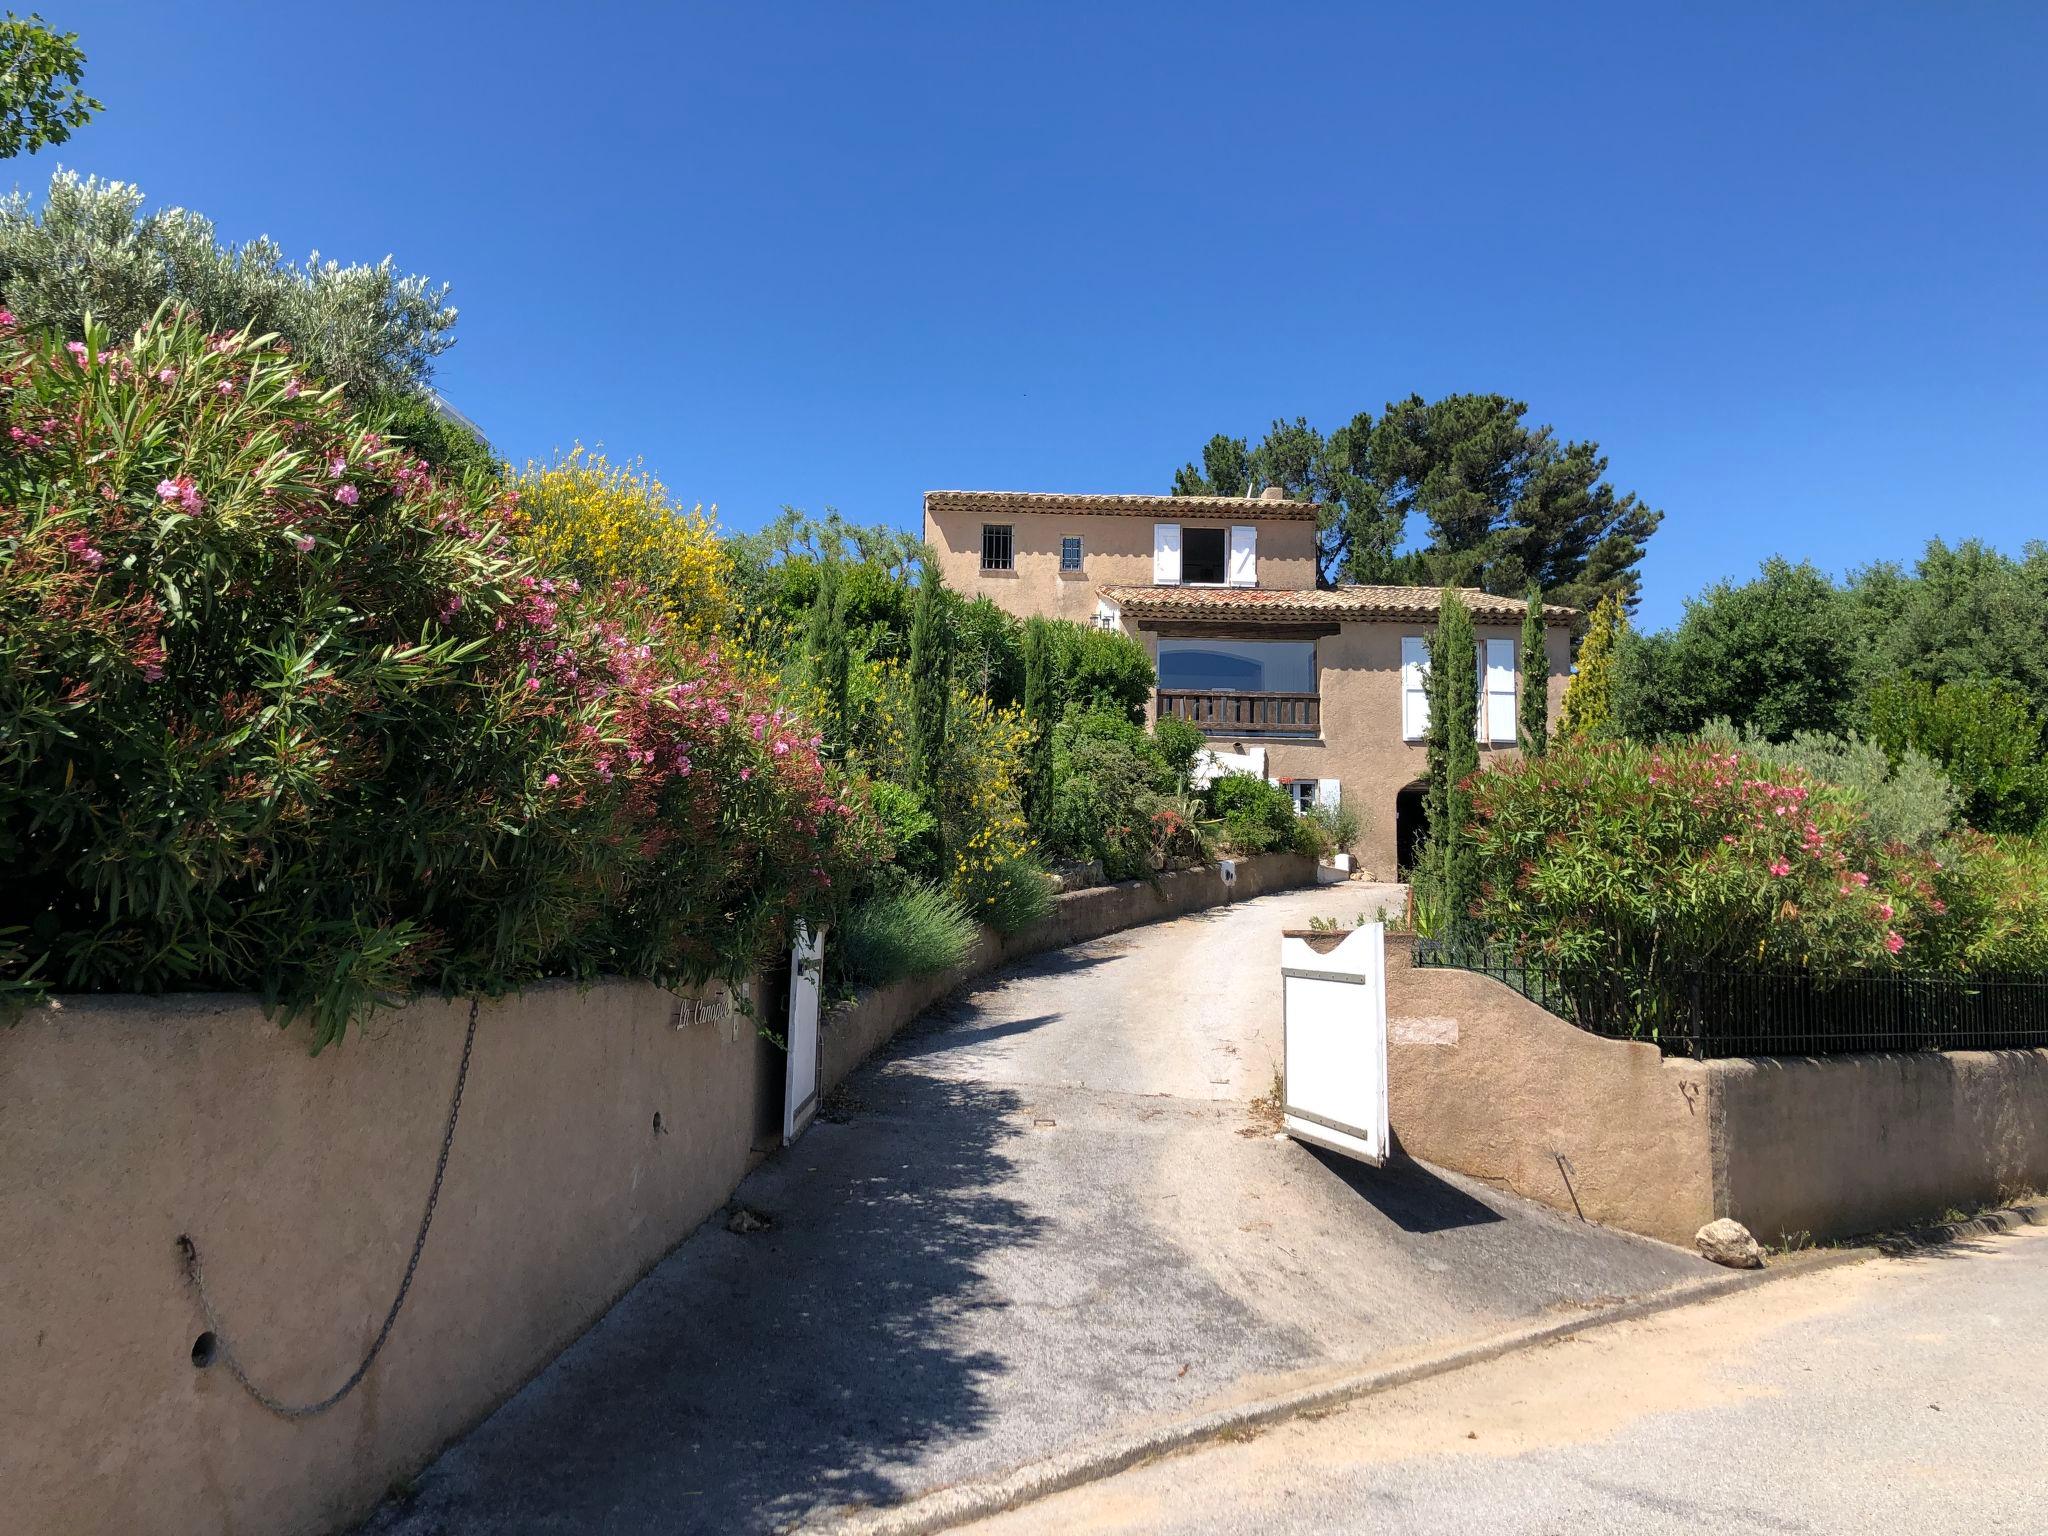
1244,557
1070,553
1497,691
1166,554
1414,688
1304,793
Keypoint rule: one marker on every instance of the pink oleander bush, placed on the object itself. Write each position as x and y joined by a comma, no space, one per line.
280,711
1643,861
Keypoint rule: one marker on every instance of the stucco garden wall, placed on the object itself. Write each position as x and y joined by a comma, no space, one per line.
127,1121
1484,1082
595,1135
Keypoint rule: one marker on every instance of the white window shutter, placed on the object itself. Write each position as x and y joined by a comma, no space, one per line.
1499,696
1244,557
1414,698
1327,793
1166,554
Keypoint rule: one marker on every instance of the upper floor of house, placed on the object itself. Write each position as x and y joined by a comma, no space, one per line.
1037,554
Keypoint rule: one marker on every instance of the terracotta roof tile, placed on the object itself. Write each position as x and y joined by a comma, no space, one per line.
1242,508
1353,602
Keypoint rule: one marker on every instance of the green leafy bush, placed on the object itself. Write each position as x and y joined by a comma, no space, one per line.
1108,779
1909,801
1334,827
1257,817
910,929
1997,895
1102,669
1636,861
280,711
1985,735
1008,891
1179,744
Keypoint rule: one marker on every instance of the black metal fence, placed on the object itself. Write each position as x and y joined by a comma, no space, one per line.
1711,1013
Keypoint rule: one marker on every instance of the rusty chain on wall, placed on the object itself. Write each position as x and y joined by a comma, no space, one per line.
282,1409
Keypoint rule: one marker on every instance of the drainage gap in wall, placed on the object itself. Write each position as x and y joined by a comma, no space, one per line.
204,1348
659,1128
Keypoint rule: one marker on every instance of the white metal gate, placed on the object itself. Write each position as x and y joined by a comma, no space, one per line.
1333,1088
800,1086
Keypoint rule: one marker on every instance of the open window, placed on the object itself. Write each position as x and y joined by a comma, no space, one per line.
1204,556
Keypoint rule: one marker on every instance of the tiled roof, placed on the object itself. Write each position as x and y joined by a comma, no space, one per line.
1240,508
1254,603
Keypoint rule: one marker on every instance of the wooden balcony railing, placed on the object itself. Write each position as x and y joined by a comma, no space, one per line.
1246,714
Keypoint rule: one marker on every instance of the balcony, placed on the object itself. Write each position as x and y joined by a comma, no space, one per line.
1223,713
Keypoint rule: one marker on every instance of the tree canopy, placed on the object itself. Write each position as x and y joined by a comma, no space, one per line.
1497,502
40,96
90,249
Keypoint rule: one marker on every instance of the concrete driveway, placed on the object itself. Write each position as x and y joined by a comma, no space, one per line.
1044,1211
1891,1395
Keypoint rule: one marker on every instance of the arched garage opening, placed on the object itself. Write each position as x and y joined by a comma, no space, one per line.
1411,820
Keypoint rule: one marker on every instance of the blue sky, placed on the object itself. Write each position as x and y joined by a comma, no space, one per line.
1785,263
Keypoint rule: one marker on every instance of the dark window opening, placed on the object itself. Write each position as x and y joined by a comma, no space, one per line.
996,551
1070,554
1204,553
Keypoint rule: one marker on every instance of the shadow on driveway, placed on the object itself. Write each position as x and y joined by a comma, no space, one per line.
750,1379
1412,1197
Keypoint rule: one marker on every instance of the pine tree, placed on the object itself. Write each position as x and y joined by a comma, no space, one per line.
1447,869
1535,721
1589,697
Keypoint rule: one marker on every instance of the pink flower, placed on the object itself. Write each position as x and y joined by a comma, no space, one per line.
6,319
303,543
291,390
167,375
76,349
337,467
1894,943
1780,867
347,495
552,780
82,550
533,685
226,386
167,490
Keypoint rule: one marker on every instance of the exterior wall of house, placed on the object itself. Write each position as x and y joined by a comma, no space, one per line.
1361,746
1116,550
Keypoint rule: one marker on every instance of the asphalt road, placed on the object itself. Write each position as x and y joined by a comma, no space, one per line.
1895,1395
1043,1212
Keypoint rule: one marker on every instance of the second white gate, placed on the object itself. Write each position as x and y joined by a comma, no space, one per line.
1334,1040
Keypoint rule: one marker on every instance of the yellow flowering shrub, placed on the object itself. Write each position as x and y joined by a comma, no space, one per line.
602,523
991,857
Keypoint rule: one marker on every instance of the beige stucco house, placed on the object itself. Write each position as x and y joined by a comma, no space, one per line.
1321,689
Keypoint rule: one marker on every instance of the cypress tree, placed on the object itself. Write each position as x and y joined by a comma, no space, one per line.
1040,706
832,659
931,680
1589,697
1535,721
1447,869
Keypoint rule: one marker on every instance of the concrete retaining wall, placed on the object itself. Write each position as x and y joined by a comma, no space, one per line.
127,1121
1485,1082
